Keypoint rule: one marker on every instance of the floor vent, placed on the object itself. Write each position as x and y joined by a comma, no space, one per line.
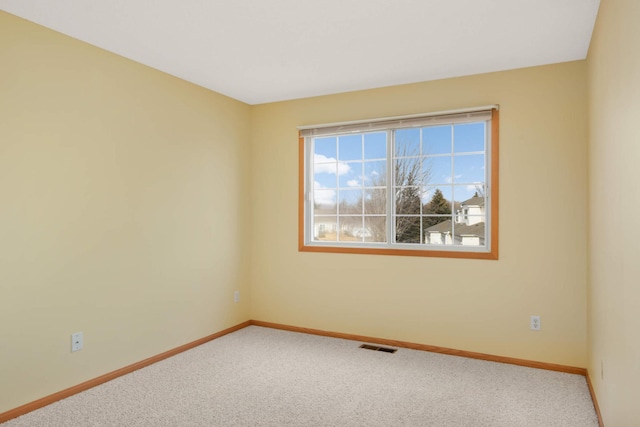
376,348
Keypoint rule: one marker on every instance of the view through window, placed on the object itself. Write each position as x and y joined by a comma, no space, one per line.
423,183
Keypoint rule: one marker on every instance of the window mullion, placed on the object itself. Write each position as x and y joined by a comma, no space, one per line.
362,190
309,196
422,187
487,185
390,194
453,183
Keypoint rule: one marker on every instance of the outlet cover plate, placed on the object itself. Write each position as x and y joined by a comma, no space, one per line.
535,323
76,341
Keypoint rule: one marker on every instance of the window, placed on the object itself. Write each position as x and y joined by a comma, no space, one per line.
424,185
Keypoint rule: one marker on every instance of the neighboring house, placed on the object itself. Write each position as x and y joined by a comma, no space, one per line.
468,228
324,225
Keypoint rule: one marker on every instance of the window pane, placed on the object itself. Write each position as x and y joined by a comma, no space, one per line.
350,147
325,201
407,142
352,177
408,171
441,233
350,201
375,227
350,229
438,202
437,170
469,169
375,174
407,229
375,145
325,148
469,137
375,201
436,140
324,228
408,200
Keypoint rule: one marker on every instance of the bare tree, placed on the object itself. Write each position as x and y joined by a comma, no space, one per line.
410,177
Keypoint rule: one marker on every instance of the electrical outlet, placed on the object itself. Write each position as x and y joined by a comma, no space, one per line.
76,341
236,296
535,323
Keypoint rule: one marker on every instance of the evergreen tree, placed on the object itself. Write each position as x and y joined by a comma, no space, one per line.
438,205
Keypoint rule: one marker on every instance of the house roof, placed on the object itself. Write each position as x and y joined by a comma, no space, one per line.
474,201
459,229
441,227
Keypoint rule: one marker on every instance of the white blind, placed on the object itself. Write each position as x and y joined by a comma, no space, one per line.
417,120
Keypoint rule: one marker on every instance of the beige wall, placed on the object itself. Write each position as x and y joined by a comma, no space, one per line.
474,305
614,203
124,198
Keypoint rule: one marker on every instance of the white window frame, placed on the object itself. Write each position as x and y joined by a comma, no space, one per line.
471,115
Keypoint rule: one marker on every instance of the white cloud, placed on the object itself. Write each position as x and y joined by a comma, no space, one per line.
324,164
326,197
353,183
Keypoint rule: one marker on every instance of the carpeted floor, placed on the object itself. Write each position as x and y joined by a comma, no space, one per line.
266,377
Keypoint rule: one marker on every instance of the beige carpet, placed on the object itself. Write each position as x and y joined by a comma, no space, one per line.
265,377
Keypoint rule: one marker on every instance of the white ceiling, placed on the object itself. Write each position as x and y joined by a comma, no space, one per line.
261,51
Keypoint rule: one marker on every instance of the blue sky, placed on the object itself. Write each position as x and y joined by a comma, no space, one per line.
345,161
